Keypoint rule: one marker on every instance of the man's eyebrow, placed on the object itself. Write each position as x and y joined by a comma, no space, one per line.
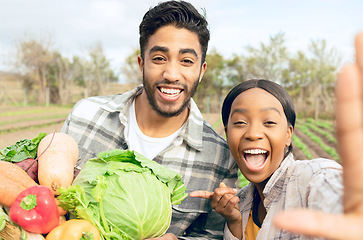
158,49
188,50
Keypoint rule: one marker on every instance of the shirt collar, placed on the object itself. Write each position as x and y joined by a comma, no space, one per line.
277,180
193,131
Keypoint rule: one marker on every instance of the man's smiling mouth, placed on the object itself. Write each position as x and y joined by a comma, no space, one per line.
170,91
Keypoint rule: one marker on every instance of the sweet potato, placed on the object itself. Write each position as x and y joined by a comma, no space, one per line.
9,190
13,181
15,173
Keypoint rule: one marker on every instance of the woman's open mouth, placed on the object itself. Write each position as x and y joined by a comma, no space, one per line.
255,158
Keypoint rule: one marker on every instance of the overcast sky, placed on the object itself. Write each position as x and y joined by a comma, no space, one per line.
75,25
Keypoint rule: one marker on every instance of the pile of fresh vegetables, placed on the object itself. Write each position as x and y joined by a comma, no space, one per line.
118,195
29,176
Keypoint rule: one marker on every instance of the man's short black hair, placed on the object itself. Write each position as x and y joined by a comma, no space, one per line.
181,14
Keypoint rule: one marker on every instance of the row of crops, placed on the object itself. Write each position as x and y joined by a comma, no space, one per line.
13,119
321,132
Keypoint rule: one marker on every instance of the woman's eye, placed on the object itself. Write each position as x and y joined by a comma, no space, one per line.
239,123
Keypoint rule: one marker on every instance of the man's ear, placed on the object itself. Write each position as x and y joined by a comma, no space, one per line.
140,61
202,70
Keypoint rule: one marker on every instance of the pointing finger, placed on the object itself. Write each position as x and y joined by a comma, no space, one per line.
201,194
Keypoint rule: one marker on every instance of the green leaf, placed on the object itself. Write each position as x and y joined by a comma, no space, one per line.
22,149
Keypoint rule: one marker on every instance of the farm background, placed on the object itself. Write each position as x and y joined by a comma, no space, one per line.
311,138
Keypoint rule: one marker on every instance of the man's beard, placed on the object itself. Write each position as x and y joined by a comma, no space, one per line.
150,93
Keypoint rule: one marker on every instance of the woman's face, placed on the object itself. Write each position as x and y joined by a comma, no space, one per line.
257,133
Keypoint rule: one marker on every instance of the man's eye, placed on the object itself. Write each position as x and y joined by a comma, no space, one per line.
270,123
158,59
188,61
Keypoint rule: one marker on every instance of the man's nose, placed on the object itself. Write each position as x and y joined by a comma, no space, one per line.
172,71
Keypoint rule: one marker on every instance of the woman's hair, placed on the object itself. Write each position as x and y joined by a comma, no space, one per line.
271,87
178,13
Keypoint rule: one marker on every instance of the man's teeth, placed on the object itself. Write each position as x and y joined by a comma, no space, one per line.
171,91
255,151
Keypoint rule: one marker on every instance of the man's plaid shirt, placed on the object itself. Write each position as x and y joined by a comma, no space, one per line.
198,153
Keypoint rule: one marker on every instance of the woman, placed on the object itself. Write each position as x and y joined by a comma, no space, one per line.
259,120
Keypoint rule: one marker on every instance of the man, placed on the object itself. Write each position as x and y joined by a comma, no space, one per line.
160,119
349,114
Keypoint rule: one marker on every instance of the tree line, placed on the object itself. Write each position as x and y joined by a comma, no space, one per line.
44,69
308,76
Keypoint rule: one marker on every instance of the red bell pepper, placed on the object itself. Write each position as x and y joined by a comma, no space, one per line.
35,210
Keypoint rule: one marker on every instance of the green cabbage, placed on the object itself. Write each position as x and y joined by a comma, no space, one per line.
125,195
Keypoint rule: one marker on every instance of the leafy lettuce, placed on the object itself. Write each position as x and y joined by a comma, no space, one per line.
125,195
21,150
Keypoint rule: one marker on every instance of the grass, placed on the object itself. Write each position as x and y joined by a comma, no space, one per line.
322,124
317,128
299,144
34,111
242,181
328,135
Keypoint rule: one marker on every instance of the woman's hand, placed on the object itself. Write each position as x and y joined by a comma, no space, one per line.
225,202
349,117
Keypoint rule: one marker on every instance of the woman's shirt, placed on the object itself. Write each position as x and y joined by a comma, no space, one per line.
314,184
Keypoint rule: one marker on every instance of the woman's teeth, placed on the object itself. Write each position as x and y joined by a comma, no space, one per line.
255,158
255,151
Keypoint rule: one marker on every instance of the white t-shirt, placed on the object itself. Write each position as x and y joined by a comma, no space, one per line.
139,142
